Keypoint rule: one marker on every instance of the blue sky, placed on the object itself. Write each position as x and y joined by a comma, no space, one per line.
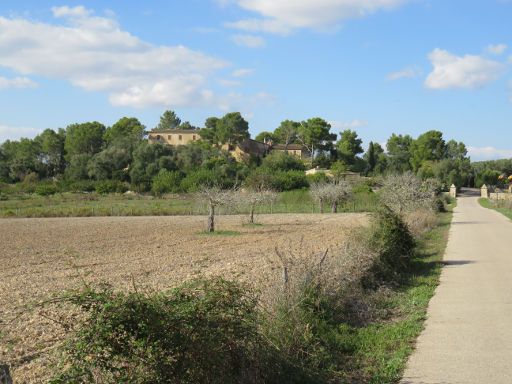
376,66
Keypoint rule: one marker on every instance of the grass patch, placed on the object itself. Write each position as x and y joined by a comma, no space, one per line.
382,349
220,233
252,225
486,203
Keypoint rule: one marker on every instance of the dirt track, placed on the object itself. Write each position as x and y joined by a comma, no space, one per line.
41,257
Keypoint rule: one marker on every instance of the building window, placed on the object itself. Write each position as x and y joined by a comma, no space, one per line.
193,137
179,137
169,137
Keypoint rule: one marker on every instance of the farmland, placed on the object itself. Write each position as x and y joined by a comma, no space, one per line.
41,258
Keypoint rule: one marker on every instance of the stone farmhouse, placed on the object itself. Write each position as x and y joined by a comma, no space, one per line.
241,151
174,137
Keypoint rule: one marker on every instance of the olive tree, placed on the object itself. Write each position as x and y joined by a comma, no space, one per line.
214,197
332,193
255,198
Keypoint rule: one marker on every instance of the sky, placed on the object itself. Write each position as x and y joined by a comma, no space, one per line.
376,66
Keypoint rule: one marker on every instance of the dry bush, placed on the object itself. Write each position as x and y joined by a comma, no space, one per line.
420,221
406,193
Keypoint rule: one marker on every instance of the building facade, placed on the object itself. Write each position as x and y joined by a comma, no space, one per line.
174,137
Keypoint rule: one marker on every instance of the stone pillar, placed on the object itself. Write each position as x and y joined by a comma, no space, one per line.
484,191
453,191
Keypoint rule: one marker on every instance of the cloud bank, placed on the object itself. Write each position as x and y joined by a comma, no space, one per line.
96,54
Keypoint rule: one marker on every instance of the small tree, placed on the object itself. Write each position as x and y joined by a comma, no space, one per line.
254,198
214,197
333,193
406,192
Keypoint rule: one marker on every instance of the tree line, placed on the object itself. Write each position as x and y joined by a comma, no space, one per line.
120,154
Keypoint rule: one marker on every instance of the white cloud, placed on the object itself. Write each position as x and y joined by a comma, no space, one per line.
95,54
497,49
242,72
66,11
284,16
15,133
467,71
16,82
229,83
489,153
406,73
354,124
249,41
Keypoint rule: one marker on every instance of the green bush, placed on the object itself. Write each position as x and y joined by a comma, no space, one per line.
111,186
202,332
318,178
392,241
166,182
82,186
46,189
289,180
280,161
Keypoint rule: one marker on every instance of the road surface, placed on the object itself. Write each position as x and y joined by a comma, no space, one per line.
468,333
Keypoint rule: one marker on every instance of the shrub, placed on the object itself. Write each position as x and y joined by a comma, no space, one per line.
201,177
82,186
391,239
280,161
318,178
46,189
111,186
202,332
166,182
289,180
420,221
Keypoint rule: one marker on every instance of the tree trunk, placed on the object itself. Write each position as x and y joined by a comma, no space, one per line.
211,218
321,206
251,218
334,207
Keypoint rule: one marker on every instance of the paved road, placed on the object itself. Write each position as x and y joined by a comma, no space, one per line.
468,334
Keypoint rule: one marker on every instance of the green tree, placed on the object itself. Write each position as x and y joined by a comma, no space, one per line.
51,145
429,146
399,153
110,163
349,147
376,159
85,138
148,160
265,137
23,158
168,120
315,135
456,150
187,125
287,132
126,128
209,132
231,129
166,182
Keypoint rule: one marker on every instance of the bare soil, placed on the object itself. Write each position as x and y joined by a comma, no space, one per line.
40,258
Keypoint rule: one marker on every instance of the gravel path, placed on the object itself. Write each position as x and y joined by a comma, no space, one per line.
468,334
43,257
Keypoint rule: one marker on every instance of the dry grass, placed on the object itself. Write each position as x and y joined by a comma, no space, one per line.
420,221
41,258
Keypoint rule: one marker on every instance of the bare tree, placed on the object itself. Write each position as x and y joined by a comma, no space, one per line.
255,198
333,193
214,197
316,191
406,192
